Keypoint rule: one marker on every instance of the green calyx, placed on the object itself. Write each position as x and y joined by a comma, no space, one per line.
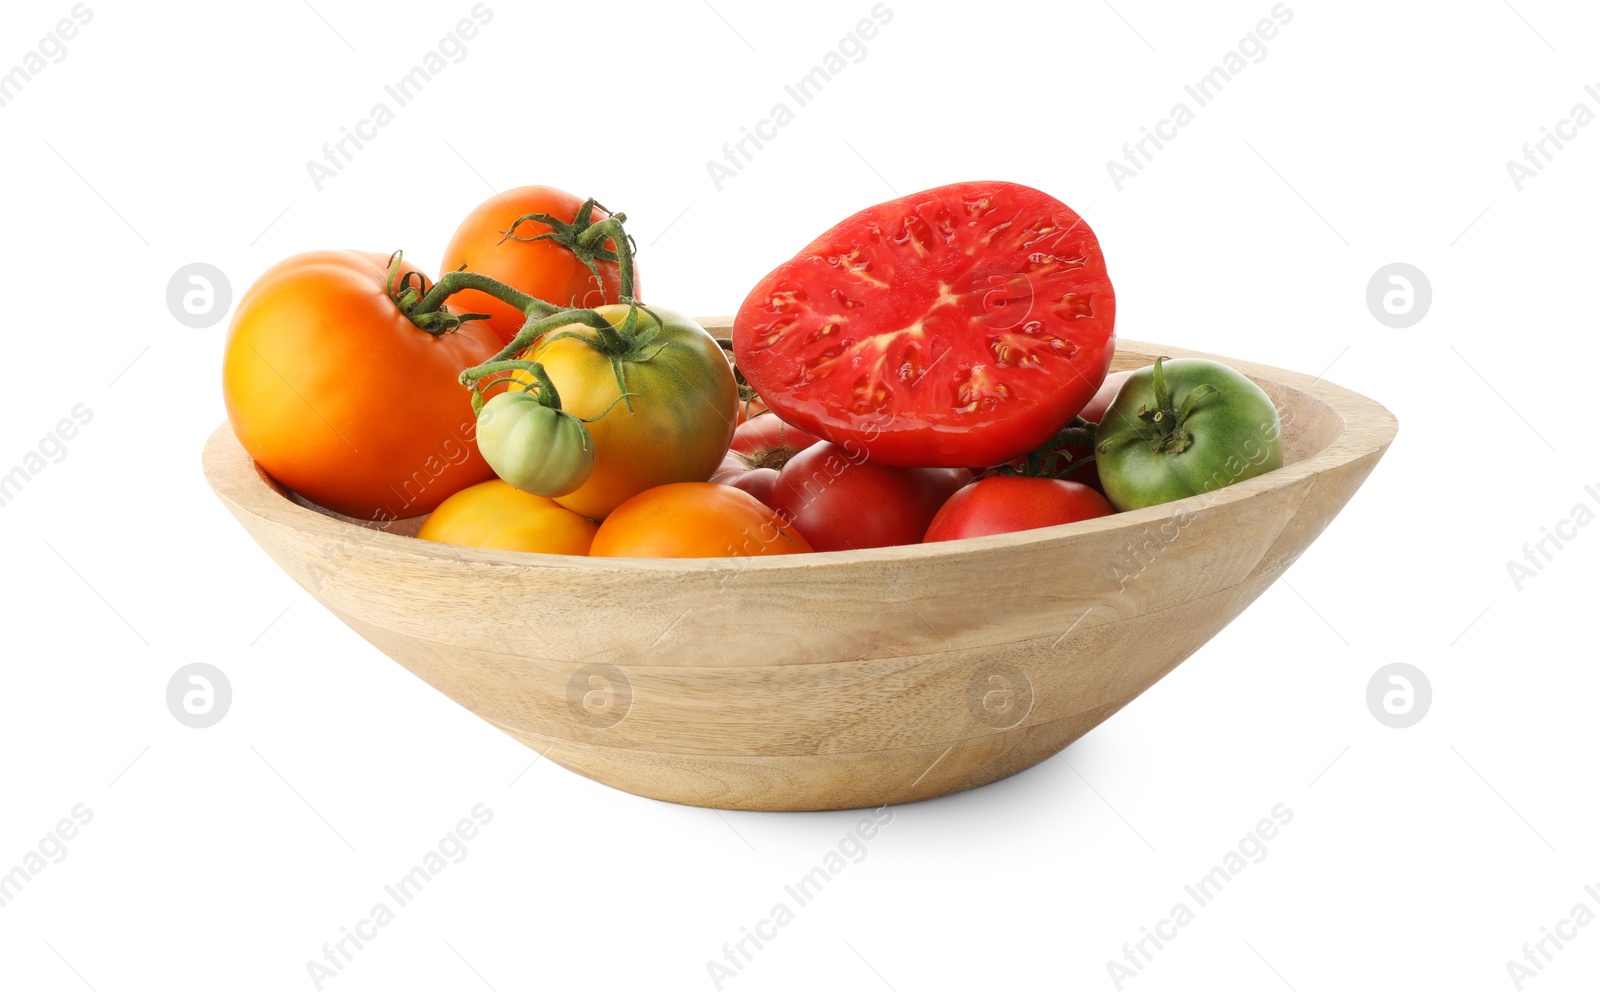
1164,426
420,302
1055,458
586,238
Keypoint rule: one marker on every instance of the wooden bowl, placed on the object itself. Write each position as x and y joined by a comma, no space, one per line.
835,680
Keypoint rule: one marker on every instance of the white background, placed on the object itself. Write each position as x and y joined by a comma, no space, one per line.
1371,133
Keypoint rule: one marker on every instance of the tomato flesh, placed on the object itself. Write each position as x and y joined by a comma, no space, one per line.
959,326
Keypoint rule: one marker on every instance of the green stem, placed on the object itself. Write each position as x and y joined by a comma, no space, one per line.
594,239
454,282
534,328
1163,395
547,389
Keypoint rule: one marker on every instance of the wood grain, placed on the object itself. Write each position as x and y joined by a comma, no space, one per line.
825,681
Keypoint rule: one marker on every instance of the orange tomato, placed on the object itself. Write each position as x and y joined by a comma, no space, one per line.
341,398
695,520
543,268
495,514
750,409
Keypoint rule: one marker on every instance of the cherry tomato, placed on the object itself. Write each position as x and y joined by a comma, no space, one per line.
962,325
538,449
682,405
839,500
695,520
495,514
1000,504
542,268
340,397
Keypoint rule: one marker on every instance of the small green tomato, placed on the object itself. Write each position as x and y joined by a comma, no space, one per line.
539,450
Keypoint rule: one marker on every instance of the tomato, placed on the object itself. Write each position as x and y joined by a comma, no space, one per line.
1183,427
341,398
839,500
962,325
761,446
769,442
543,268
682,401
695,520
735,471
750,408
1000,504
536,448
495,514
1095,410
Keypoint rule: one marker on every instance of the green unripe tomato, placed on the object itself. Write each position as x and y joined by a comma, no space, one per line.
537,449
1183,427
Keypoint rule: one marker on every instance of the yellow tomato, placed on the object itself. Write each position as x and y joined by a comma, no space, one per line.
495,514
683,396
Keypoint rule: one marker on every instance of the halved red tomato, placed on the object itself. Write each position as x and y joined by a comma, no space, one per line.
959,326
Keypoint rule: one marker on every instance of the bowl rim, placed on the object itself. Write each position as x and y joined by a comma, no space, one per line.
1367,428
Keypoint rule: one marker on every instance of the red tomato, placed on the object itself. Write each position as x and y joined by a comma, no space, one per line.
1000,504
695,520
839,500
541,268
768,441
735,471
962,325
1095,409
761,446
